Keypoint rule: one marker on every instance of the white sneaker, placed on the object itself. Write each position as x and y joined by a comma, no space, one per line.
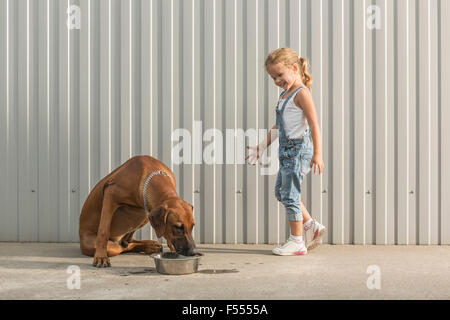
291,248
313,234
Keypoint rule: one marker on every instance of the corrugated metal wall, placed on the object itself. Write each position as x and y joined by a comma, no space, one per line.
76,103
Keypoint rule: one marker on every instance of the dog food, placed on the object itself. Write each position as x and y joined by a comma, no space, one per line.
171,255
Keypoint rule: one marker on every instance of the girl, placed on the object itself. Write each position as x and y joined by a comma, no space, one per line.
300,146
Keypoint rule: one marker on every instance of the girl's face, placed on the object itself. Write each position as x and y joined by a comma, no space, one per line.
284,77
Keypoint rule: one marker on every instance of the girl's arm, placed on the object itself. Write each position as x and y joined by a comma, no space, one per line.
259,149
303,100
271,136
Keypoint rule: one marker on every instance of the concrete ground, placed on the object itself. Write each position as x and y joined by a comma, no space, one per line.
231,272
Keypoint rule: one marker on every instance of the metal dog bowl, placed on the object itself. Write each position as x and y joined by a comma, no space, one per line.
174,263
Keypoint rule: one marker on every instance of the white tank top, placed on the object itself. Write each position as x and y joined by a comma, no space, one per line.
295,123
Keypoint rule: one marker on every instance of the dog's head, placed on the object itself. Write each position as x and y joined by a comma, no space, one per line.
174,220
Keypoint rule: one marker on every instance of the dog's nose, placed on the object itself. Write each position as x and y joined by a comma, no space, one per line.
191,252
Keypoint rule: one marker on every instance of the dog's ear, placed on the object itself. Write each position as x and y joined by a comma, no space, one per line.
158,219
190,205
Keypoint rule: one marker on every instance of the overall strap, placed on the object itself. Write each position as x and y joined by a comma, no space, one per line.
289,98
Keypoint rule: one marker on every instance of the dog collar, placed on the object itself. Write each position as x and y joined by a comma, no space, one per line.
150,176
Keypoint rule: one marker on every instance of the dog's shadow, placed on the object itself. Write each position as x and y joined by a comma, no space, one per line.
55,258
64,267
60,258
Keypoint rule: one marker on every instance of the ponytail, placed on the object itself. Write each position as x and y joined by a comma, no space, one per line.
304,72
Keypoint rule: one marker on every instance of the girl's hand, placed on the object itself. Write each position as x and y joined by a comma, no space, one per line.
255,154
317,163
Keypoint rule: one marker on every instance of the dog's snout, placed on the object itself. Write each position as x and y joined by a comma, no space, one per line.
185,247
188,251
191,252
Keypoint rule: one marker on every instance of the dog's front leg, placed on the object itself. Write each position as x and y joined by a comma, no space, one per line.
101,259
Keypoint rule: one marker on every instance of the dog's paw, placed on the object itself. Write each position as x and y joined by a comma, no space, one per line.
156,248
101,262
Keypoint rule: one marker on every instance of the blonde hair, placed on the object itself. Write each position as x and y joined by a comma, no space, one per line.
289,57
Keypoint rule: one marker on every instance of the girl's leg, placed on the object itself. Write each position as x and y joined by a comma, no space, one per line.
297,226
305,213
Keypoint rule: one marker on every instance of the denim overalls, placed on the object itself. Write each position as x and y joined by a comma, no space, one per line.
295,157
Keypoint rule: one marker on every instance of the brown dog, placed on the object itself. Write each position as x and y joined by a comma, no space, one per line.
116,208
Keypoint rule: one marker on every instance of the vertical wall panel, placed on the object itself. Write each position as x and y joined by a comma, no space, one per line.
230,120
402,124
253,97
74,118
85,102
105,87
390,113
64,129
337,121
316,207
444,169
33,115
413,105
77,103
13,125
3,111
327,218
433,54
3,102
9,215
52,218
369,124
210,184
116,82
424,114
347,113
381,130
359,122
23,110
126,81
166,79
239,122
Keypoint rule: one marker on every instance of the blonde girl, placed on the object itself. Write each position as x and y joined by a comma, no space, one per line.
300,147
